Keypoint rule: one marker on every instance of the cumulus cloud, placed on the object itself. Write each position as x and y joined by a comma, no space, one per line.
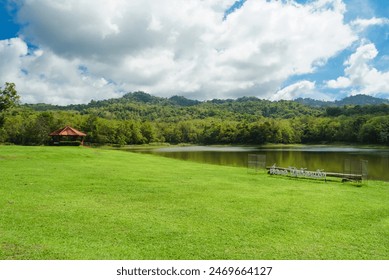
11,52
42,76
293,91
175,47
360,76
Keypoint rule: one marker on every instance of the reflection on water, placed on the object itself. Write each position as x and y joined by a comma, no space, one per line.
329,158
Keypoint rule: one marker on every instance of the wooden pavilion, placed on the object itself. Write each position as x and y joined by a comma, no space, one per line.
68,136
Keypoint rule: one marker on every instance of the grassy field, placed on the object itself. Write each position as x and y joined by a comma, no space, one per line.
83,203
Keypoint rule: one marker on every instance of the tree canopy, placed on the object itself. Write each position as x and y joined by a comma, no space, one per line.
140,118
8,96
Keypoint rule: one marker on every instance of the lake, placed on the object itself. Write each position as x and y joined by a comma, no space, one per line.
328,158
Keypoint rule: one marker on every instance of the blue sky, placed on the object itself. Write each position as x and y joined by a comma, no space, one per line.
8,28
379,35
73,51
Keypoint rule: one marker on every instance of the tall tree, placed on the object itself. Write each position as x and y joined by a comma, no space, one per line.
8,96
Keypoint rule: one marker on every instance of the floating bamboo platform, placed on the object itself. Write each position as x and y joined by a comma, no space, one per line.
344,176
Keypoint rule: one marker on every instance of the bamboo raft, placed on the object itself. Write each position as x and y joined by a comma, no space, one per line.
344,176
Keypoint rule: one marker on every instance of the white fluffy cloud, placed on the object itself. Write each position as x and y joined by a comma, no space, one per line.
360,75
293,91
95,49
42,76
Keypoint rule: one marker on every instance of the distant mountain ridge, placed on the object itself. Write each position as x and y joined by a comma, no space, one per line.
176,100
360,99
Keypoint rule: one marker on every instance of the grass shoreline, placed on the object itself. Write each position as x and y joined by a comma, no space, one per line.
268,145
82,203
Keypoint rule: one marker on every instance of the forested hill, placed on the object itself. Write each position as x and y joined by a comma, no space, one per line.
139,118
145,107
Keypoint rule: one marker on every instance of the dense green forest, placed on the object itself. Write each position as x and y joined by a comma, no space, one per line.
140,118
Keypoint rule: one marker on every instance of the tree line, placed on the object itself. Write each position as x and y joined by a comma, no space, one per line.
139,118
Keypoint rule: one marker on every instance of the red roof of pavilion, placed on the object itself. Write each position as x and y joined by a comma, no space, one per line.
67,130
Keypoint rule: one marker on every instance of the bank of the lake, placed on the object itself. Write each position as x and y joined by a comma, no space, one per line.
83,203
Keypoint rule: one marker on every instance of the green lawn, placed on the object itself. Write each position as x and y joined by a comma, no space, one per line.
83,203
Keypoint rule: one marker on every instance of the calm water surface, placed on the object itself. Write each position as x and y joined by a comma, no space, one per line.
328,158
